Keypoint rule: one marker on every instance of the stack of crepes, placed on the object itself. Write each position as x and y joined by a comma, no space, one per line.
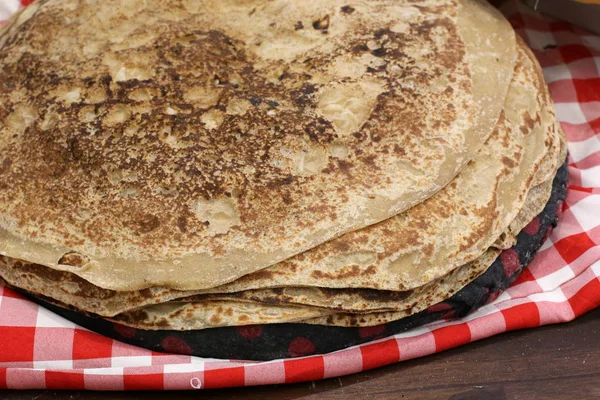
183,165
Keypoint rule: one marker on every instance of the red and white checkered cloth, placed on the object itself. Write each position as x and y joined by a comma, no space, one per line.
39,349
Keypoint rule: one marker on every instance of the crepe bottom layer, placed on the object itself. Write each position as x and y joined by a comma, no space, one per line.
274,341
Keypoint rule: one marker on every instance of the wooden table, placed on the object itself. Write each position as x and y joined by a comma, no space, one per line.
552,362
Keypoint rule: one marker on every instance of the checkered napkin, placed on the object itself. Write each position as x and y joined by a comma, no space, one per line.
39,349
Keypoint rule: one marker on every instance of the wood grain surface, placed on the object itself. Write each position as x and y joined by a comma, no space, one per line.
551,362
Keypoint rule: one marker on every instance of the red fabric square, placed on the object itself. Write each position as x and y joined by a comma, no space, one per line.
595,125
521,316
587,89
11,293
573,52
16,343
452,336
88,345
378,354
3,378
560,26
563,91
571,247
586,299
525,276
304,369
64,380
143,382
225,377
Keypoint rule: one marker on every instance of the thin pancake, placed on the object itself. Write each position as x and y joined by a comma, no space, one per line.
191,314
185,144
368,300
203,310
427,241
511,145
182,315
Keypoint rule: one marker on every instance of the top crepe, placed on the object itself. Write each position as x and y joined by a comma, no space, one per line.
187,143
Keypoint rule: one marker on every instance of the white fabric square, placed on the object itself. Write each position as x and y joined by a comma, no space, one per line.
587,210
580,150
8,8
504,296
103,371
415,331
48,319
131,361
596,268
555,296
183,368
570,112
540,39
555,279
591,178
557,73
53,364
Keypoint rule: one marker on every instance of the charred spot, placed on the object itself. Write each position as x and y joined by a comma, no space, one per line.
298,26
321,24
508,162
307,89
243,318
346,272
360,48
215,319
162,323
381,295
287,199
5,165
284,76
220,80
380,52
288,180
348,9
341,246
320,131
182,224
529,123
381,32
370,160
73,259
255,101
272,103
303,95
88,82
399,150
148,223
106,79
75,148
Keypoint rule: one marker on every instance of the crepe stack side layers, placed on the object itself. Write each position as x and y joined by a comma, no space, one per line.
185,144
212,313
183,165
502,142
192,314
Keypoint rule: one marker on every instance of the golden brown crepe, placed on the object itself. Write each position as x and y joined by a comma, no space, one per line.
185,144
